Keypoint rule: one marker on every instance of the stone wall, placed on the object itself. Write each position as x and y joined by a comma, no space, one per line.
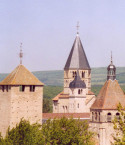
16,105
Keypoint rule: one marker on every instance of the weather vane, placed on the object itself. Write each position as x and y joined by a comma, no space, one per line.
21,53
111,57
77,27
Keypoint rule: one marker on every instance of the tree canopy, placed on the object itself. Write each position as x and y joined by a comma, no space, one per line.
119,126
54,132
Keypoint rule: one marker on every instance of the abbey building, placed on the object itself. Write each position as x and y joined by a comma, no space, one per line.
77,96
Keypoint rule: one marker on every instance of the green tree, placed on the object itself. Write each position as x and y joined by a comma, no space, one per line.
47,105
119,126
67,132
24,134
54,132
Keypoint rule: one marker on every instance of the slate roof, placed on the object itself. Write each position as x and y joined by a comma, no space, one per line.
110,96
21,76
77,58
67,115
77,82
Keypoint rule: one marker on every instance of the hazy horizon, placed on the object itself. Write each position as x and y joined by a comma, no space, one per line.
47,30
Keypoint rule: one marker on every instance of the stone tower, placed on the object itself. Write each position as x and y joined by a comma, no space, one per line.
104,109
76,96
21,95
77,60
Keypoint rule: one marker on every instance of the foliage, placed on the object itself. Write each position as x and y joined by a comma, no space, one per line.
23,134
50,92
119,126
54,132
47,105
66,132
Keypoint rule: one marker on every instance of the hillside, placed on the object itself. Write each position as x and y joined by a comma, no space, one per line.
55,78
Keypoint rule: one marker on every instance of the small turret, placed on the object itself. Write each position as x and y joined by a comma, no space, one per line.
111,71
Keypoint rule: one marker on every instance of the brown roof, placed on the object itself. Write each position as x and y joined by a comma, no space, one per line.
21,76
110,96
90,93
67,115
60,95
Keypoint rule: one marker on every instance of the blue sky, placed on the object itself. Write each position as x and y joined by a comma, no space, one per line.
47,29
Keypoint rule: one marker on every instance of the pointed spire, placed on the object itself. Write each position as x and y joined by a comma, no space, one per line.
77,58
77,27
21,53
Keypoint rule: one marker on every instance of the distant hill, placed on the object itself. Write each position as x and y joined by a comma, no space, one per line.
55,78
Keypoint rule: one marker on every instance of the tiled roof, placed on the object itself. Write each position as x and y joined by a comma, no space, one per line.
21,76
110,96
90,93
77,58
60,95
67,115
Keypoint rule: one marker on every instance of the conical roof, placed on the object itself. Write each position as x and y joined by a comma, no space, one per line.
21,76
110,96
77,82
77,58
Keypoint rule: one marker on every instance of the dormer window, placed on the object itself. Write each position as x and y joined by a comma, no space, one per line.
109,117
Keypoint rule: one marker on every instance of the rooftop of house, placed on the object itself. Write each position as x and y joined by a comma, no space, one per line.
67,115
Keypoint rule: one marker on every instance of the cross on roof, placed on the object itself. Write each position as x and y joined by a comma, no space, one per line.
111,58
77,27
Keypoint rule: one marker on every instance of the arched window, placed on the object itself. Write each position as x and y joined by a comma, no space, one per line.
79,91
99,116
96,116
118,116
83,74
75,73
92,116
78,105
109,117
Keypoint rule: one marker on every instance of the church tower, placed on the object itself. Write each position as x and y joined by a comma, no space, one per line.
76,96
104,109
21,95
77,60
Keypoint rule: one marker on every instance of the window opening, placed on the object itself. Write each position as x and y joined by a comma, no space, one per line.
79,91
22,88
117,116
32,88
109,117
